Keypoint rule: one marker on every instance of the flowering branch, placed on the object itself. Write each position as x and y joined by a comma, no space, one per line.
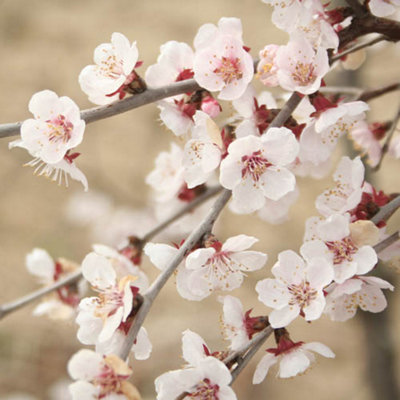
130,103
386,211
25,300
389,137
162,279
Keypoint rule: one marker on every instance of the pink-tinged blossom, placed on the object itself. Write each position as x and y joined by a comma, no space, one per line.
255,169
254,111
62,303
300,67
293,358
100,317
109,78
347,192
174,63
56,127
346,246
49,137
366,141
297,288
306,19
100,377
363,292
93,313
220,266
203,152
221,63
238,326
167,177
318,140
208,380
266,67
383,8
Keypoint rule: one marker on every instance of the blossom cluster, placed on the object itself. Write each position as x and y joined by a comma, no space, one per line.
246,154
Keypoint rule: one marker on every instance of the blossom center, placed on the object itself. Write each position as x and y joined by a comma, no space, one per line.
254,166
110,67
205,390
109,301
342,250
108,381
302,294
229,69
60,129
304,73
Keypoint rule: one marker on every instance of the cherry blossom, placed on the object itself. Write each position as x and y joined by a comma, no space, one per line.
318,140
238,326
297,288
300,67
255,169
347,246
100,377
366,139
221,63
208,380
266,68
49,137
360,291
167,178
293,358
203,152
347,192
175,63
219,266
62,303
112,75
56,127
394,147
99,317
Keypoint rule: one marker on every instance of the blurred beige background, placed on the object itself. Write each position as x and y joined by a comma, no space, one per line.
43,45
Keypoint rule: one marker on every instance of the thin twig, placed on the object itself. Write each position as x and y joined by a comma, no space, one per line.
387,242
243,361
357,47
22,301
130,103
25,300
231,357
373,93
161,280
286,111
386,211
389,137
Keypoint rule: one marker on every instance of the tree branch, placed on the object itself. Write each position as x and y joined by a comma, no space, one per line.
130,103
357,47
161,280
25,300
373,93
243,361
22,301
386,211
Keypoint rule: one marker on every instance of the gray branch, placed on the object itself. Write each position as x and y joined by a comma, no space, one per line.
130,103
